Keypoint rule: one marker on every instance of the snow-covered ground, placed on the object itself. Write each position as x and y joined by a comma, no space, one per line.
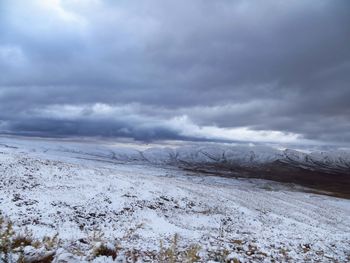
89,193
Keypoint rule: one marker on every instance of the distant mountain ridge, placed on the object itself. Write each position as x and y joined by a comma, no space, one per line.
231,156
322,170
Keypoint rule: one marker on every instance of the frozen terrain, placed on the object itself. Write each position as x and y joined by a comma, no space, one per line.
138,198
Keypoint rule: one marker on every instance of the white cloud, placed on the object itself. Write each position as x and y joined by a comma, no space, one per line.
188,128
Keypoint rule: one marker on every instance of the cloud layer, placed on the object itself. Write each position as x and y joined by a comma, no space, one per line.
240,70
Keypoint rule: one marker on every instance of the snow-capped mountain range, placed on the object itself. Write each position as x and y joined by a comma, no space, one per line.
334,161
322,170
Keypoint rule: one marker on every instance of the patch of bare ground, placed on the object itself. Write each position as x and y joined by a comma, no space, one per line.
332,183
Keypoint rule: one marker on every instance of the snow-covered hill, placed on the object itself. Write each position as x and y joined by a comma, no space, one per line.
327,171
135,198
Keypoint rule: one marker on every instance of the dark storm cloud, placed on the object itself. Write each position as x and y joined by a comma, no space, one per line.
106,128
266,65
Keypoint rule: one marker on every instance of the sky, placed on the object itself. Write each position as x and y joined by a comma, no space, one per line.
262,71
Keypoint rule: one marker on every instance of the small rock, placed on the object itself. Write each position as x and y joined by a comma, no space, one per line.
33,255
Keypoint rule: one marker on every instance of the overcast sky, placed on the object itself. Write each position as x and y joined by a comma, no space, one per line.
271,70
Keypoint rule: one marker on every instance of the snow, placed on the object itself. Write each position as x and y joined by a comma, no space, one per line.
76,189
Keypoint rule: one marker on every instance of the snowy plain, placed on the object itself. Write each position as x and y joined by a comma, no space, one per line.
132,196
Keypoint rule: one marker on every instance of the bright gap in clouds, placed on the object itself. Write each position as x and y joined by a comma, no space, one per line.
188,128
56,8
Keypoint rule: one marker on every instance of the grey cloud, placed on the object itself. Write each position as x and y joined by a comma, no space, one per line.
271,65
81,127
